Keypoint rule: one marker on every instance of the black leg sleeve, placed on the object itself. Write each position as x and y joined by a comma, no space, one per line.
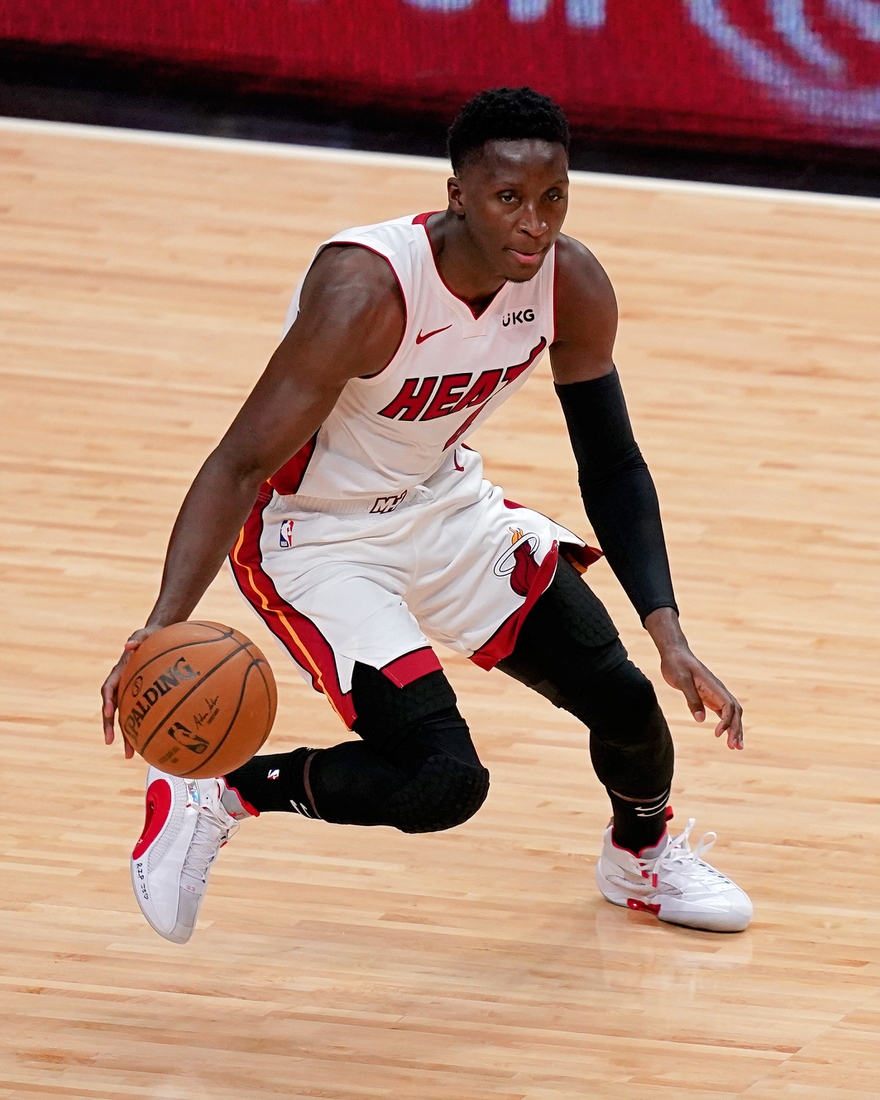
416,768
569,651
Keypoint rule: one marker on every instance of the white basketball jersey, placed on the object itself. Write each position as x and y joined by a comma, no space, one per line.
391,432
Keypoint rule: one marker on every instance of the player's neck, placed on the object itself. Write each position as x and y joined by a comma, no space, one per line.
461,265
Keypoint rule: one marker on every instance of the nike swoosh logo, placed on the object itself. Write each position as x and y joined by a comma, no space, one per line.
423,336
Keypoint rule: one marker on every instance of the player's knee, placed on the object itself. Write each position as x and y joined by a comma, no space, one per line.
444,793
630,743
628,696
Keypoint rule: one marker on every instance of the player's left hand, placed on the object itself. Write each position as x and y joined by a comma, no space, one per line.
702,689
110,690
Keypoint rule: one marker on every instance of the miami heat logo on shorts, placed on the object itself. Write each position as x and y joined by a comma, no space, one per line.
518,562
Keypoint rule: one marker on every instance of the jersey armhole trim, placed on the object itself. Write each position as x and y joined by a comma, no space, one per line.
372,379
553,295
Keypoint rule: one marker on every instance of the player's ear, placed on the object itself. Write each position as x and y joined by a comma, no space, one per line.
453,190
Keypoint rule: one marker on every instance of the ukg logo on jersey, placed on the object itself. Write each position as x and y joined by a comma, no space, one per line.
520,317
822,59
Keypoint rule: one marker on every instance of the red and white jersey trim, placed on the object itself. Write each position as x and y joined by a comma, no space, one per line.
392,431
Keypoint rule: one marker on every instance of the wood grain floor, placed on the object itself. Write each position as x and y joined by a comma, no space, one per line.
142,287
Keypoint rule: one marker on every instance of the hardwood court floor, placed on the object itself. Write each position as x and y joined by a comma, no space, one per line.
141,290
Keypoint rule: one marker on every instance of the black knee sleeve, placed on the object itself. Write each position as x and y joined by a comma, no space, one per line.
630,743
431,780
568,650
416,768
387,714
445,792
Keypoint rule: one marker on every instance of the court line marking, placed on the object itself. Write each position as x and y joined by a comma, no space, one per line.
402,160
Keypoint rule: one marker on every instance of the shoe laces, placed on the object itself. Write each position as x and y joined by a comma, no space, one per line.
678,853
213,828
679,856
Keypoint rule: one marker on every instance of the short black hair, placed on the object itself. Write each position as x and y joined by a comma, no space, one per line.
504,114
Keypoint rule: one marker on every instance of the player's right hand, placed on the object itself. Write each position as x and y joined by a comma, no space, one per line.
110,689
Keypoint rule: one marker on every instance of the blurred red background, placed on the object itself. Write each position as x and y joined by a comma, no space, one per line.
743,70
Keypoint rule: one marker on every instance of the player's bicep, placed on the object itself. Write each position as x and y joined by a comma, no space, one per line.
351,316
586,316
350,323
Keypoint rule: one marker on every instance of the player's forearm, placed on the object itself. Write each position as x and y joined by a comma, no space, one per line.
618,491
625,514
211,516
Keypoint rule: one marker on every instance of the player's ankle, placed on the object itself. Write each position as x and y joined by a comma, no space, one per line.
639,823
642,851
273,783
234,803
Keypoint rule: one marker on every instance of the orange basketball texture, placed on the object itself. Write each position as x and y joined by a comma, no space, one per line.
197,699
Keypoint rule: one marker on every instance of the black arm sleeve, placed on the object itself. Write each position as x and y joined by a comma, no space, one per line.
618,490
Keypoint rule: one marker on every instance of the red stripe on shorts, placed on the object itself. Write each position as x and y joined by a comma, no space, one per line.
298,634
403,670
501,644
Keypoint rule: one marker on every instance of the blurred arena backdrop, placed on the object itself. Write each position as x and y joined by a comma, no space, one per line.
737,73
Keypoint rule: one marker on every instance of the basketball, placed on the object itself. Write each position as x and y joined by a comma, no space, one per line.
197,699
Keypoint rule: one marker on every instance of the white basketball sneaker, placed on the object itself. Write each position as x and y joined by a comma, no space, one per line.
674,883
186,826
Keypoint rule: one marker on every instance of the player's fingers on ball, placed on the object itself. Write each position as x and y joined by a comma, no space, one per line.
109,729
108,709
114,676
110,687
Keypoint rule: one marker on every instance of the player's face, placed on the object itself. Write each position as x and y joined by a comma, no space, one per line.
514,197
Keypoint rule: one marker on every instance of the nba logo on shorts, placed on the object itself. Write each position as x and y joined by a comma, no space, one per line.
286,534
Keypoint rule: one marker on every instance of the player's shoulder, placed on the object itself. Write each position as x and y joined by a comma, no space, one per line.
581,281
584,304
350,294
366,258
347,271
577,269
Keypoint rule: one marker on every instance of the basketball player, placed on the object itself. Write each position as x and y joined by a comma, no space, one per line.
362,529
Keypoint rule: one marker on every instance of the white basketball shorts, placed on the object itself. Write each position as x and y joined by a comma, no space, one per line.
376,580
